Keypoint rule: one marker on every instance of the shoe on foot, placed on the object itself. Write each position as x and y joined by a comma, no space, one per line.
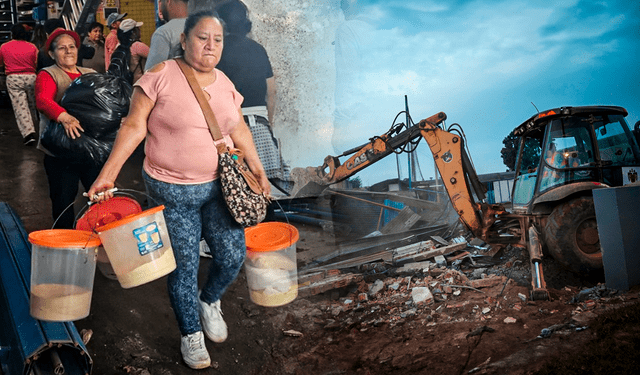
204,249
211,318
30,139
194,352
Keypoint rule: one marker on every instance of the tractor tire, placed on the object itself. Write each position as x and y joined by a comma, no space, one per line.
571,236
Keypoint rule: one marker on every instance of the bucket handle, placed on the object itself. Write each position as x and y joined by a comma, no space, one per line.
124,192
86,195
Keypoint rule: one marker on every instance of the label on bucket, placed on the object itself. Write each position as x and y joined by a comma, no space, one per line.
148,238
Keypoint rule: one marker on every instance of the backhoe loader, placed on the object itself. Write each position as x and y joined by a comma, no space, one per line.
564,154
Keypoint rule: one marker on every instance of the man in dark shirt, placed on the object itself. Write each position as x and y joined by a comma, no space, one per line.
245,61
247,65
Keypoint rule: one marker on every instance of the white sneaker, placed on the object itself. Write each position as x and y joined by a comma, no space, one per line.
194,352
211,318
205,251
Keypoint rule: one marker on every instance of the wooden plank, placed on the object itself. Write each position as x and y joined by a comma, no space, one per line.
410,252
432,253
440,240
416,248
389,239
333,282
372,245
385,255
404,221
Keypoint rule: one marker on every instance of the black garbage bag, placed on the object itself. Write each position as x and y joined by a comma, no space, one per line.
82,150
98,101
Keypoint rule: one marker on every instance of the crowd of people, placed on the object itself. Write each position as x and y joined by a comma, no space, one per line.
180,168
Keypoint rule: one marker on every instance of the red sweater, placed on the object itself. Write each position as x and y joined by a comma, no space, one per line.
19,57
46,90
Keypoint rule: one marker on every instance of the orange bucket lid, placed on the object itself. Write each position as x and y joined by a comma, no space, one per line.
64,238
100,214
130,219
270,236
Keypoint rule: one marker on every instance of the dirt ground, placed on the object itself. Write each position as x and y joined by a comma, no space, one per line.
584,328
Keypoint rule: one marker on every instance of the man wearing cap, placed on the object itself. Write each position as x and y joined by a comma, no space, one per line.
111,41
121,59
165,41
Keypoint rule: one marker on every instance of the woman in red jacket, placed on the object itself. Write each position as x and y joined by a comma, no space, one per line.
51,84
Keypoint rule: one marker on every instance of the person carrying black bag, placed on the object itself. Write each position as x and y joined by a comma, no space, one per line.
51,84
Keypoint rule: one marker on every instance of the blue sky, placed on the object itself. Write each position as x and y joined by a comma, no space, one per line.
484,62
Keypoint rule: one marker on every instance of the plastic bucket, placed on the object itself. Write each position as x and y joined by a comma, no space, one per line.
63,265
100,214
272,273
138,247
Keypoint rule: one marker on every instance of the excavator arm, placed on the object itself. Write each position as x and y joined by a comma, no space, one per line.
448,151
333,171
486,221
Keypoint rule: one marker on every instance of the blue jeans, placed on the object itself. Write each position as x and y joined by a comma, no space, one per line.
193,212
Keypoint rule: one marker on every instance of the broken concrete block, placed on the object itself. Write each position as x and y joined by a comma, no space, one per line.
414,267
476,242
421,294
440,260
477,273
488,282
376,287
510,320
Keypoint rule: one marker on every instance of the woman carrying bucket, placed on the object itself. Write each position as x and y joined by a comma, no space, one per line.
180,172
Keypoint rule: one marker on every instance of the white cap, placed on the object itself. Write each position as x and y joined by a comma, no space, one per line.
129,24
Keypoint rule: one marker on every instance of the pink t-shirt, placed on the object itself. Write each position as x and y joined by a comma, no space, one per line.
19,57
179,148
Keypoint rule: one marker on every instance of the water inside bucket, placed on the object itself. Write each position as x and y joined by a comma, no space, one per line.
270,266
63,263
138,247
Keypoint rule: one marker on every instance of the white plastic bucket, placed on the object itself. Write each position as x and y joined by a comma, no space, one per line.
63,265
272,273
138,247
103,213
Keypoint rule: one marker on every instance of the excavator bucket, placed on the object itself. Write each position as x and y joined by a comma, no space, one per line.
307,183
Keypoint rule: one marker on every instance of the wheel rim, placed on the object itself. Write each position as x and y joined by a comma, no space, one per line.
587,237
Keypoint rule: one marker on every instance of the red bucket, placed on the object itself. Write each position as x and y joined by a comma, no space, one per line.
101,214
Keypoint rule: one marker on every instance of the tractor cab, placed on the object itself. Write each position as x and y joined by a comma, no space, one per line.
568,150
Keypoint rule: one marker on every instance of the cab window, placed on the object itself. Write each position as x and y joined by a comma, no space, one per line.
614,143
529,158
568,146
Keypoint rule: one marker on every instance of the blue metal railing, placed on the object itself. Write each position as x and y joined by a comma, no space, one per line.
29,346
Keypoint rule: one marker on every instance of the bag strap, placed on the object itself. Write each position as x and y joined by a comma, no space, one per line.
214,128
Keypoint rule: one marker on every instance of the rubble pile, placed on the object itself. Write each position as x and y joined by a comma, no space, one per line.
470,283
448,297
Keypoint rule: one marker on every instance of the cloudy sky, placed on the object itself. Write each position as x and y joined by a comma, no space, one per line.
484,63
